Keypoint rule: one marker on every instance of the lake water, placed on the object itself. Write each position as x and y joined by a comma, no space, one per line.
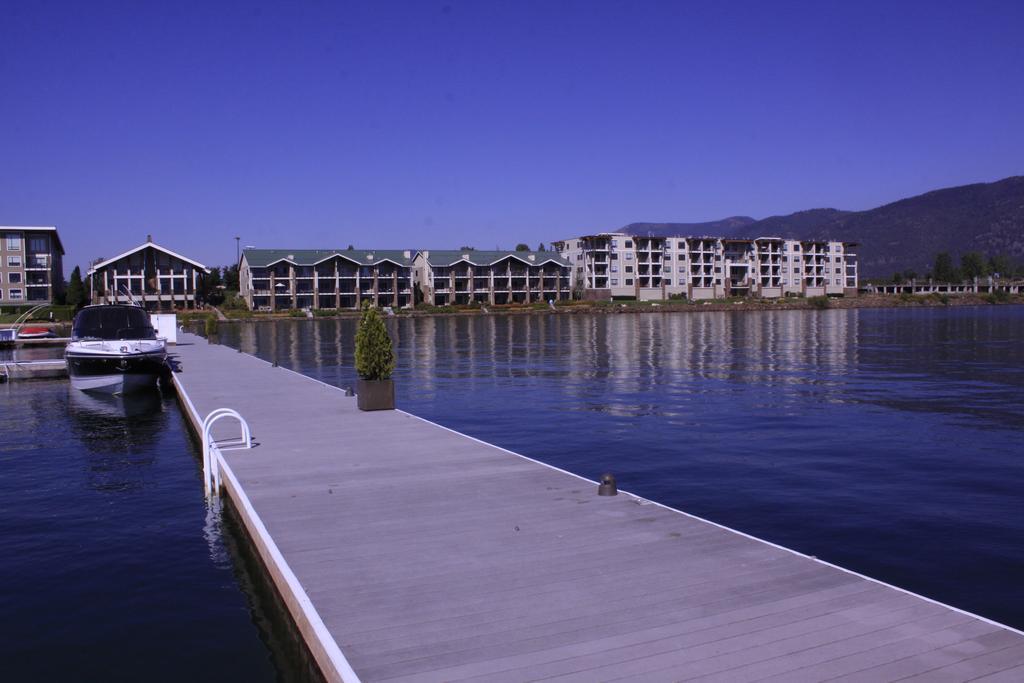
112,568
889,441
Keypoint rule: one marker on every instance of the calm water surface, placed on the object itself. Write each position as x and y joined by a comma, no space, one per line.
112,568
887,441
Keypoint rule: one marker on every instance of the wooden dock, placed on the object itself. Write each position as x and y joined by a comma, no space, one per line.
409,552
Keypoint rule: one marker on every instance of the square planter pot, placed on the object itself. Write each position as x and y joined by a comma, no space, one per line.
375,394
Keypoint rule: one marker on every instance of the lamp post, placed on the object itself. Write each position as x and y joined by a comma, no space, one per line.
237,252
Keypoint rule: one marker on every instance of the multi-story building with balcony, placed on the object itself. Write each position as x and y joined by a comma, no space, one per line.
31,265
491,277
618,265
283,279
152,276
615,265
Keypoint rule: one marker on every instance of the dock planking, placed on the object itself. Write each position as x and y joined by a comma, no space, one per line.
410,552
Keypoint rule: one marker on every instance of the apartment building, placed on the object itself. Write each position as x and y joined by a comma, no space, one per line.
151,275
31,265
283,279
618,265
491,277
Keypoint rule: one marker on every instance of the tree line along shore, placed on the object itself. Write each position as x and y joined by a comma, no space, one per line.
737,305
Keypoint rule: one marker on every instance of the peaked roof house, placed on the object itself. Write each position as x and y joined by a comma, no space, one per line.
283,279
493,277
151,275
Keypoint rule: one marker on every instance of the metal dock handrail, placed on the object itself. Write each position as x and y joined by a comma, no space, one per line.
211,470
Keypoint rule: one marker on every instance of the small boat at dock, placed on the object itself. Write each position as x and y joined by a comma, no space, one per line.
114,350
36,333
9,335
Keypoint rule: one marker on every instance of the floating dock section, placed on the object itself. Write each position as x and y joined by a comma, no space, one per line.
405,551
32,369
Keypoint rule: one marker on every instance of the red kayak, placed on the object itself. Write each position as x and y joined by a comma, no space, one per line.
36,333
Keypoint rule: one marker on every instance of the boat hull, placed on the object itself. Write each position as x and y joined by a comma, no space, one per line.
36,333
115,374
114,384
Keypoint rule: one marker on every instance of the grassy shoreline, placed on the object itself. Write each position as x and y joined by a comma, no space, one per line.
670,306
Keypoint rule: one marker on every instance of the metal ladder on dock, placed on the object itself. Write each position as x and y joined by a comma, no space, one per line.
211,450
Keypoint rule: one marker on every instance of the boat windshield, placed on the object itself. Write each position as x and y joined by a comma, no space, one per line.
112,322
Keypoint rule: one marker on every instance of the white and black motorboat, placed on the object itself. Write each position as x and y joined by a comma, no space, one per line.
114,350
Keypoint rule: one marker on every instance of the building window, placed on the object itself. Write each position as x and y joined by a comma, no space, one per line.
14,261
615,269
629,269
629,244
37,244
629,281
13,242
15,294
615,243
14,278
668,282
629,256
615,282
682,269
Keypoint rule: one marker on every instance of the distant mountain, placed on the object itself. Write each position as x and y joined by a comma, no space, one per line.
907,234
798,224
670,229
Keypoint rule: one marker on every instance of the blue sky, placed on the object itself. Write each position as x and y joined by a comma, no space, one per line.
438,124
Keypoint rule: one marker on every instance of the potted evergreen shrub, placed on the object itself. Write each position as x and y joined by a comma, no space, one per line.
211,327
375,360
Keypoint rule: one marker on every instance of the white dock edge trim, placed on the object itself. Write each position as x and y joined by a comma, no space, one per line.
646,501
341,666
342,669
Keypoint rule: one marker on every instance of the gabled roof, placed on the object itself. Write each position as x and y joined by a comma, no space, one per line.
447,257
260,258
144,245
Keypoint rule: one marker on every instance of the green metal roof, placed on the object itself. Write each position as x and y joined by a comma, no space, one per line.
446,257
258,258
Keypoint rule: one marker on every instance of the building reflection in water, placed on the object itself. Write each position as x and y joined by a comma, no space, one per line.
768,362
607,362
